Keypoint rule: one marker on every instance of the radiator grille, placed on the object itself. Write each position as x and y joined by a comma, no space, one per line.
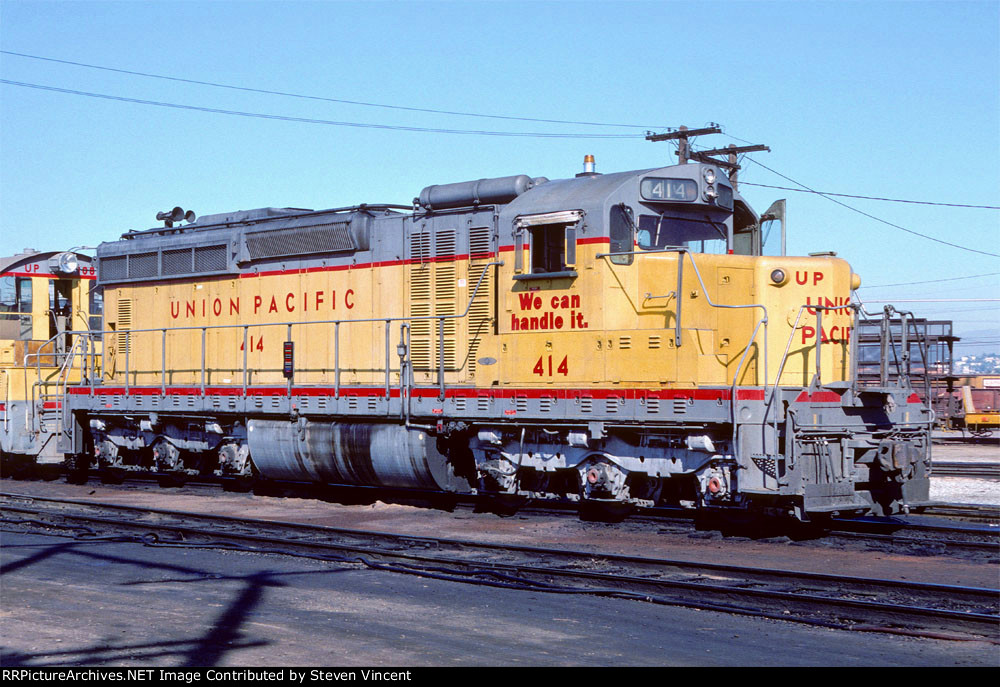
114,268
141,265
124,323
479,241
481,309
210,259
325,238
421,301
433,291
177,261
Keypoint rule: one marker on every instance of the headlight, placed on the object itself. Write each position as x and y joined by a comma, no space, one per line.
711,193
64,263
709,175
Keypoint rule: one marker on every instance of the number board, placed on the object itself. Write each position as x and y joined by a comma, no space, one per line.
656,188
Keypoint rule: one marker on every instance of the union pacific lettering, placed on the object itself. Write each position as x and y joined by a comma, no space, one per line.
290,302
841,304
835,334
556,318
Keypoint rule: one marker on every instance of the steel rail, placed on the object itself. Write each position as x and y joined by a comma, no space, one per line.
706,585
942,468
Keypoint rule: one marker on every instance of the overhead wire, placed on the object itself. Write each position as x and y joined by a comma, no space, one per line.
250,89
304,96
888,200
308,120
932,281
828,195
877,219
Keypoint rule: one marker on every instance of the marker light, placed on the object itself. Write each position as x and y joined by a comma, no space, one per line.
778,276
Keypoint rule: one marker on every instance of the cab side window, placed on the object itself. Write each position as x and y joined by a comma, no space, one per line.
550,240
548,248
15,307
621,230
96,308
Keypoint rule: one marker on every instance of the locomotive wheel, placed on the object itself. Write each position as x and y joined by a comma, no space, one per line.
48,472
238,485
604,511
112,475
15,466
505,505
171,480
266,487
77,469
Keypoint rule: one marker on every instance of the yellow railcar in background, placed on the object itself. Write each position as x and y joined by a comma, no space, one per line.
44,298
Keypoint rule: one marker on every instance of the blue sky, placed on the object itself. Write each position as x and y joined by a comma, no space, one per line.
889,99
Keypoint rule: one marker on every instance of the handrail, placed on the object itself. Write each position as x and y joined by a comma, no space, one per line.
38,352
683,250
29,416
80,343
6,415
289,324
907,321
39,386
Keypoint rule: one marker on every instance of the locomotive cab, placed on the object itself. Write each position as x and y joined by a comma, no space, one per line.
44,298
698,361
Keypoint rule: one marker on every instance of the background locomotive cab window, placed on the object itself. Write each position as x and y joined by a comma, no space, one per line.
15,308
60,305
96,302
698,235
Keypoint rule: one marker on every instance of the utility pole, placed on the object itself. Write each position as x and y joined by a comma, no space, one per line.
681,136
684,152
731,151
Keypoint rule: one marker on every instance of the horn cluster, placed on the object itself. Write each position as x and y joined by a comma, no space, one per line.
175,215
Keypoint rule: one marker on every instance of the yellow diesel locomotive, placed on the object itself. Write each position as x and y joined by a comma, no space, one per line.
627,338
44,298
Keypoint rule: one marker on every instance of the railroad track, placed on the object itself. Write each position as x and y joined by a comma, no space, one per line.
870,604
903,535
964,510
941,468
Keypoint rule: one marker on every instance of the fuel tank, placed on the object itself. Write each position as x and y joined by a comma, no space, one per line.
382,455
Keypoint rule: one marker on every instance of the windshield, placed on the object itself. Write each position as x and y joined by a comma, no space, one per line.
699,235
